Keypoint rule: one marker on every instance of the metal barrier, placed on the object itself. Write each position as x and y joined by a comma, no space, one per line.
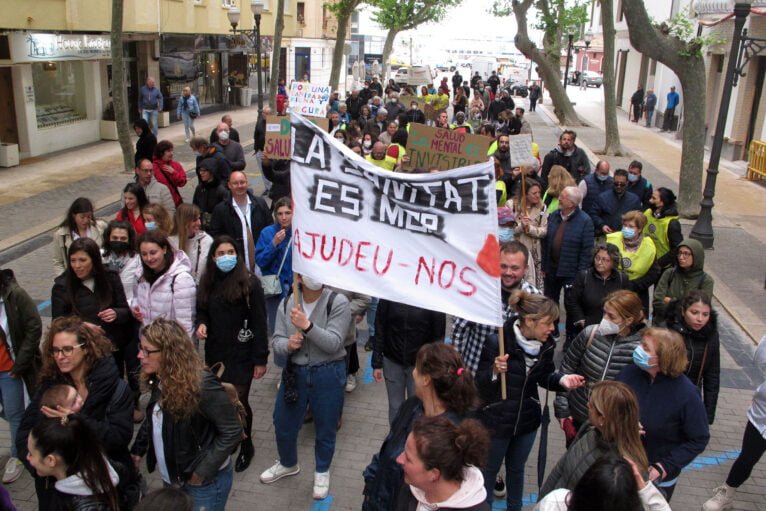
756,165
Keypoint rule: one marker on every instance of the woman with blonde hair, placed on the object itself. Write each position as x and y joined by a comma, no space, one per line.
612,427
156,217
191,413
599,353
558,179
531,227
672,412
187,226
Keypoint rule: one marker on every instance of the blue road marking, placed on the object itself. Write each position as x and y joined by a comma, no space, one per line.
43,305
367,377
322,505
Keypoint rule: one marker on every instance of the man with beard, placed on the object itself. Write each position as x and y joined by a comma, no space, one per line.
569,156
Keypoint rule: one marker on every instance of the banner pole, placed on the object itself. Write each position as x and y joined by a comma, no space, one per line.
297,300
523,191
501,346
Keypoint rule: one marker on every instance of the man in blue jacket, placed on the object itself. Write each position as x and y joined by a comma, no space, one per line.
598,182
611,205
670,109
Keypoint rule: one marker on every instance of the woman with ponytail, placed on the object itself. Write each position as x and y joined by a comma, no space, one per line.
440,461
67,450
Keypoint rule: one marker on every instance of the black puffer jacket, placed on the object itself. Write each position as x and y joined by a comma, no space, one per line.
603,359
706,377
207,195
197,445
400,331
84,303
278,172
520,413
584,302
586,449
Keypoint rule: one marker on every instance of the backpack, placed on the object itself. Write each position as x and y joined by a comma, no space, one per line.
231,392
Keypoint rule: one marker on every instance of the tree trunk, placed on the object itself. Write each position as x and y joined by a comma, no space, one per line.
279,27
690,69
337,53
548,64
388,46
612,145
119,98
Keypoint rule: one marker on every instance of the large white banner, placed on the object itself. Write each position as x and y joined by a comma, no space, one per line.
427,240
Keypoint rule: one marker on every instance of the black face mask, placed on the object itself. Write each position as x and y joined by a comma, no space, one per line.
119,247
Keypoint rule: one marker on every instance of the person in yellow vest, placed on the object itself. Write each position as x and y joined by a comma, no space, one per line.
378,157
396,148
662,226
638,255
501,189
488,130
460,124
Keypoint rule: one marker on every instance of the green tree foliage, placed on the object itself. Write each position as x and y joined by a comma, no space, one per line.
342,10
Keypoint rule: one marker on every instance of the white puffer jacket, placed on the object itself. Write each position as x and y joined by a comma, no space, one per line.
172,296
197,249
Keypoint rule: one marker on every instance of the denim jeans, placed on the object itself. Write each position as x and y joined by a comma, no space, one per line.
321,387
649,115
515,451
152,117
12,400
399,385
213,495
188,124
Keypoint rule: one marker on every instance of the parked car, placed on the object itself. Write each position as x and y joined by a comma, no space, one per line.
515,88
591,78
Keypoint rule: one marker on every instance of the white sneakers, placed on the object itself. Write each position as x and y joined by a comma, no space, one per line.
277,472
351,383
321,485
722,499
13,470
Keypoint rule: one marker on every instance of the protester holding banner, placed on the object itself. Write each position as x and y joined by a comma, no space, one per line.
273,254
527,363
309,333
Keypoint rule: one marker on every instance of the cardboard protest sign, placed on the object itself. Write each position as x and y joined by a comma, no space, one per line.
277,145
428,240
309,99
521,151
443,149
322,122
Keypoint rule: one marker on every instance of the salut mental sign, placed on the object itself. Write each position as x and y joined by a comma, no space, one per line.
442,149
427,240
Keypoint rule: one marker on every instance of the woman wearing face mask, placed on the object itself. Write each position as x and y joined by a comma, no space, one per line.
134,201
672,413
273,253
585,301
638,255
119,254
187,225
157,218
531,228
687,274
612,427
599,353
527,364
663,227
80,222
368,140
231,319
696,321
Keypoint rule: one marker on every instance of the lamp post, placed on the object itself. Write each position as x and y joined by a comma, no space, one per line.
256,6
587,38
743,48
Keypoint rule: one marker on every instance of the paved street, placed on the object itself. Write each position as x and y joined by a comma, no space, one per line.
34,197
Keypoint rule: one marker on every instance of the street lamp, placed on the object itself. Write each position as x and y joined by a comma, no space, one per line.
587,38
743,48
256,6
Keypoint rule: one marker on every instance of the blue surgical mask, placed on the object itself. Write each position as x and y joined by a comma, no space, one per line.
505,234
628,232
642,359
602,178
150,226
632,178
226,263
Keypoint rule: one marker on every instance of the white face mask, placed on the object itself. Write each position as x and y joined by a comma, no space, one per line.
367,144
223,135
313,285
607,327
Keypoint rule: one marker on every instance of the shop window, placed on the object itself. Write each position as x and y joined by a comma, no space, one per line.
59,92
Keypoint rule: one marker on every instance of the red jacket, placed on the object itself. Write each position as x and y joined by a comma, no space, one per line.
173,181
137,223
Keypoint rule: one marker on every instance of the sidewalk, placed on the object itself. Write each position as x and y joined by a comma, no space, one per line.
736,263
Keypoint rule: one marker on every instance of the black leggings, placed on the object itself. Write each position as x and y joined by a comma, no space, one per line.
753,447
243,392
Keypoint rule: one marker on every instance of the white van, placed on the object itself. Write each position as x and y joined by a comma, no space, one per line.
415,75
484,65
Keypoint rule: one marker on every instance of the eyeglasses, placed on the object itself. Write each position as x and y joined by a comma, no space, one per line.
147,352
66,350
684,254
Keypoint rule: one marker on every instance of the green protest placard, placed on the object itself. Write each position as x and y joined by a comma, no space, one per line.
438,148
277,145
